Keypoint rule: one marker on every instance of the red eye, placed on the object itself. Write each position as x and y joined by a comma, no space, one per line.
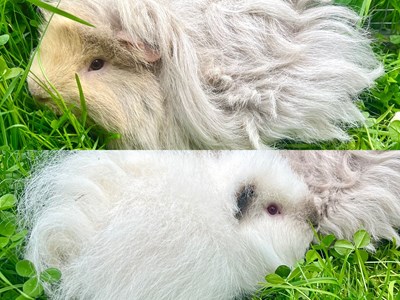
96,65
273,209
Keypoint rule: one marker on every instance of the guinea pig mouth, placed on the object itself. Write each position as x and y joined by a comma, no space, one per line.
313,215
42,99
50,104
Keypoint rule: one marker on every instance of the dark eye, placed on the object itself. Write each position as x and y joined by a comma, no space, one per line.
96,65
244,199
273,209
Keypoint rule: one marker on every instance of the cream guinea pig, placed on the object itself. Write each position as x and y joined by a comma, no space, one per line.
208,74
197,225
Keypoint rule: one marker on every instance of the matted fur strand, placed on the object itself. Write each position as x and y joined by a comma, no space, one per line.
210,74
209,225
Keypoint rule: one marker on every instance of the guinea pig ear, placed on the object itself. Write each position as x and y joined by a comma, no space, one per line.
149,54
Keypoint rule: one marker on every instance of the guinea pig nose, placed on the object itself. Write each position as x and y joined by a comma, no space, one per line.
313,215
38,92
314,220
41,99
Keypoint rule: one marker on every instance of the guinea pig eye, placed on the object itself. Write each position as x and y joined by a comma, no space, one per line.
273,209
96,65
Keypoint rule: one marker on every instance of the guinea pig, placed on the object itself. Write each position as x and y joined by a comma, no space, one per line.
208,74
189,225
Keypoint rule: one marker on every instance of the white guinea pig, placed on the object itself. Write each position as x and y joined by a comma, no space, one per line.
170,225
208,74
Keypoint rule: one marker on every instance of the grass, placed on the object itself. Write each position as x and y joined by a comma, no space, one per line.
338,269
23,124
13,167
26,125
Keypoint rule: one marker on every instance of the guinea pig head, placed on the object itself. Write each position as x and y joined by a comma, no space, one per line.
117,73
273,209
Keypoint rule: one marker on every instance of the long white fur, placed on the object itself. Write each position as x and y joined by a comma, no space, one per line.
232,74
162,225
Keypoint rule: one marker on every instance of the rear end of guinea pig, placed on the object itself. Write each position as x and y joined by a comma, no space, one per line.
208,74
352,190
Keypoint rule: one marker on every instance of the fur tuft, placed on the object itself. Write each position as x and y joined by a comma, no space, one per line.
353,190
